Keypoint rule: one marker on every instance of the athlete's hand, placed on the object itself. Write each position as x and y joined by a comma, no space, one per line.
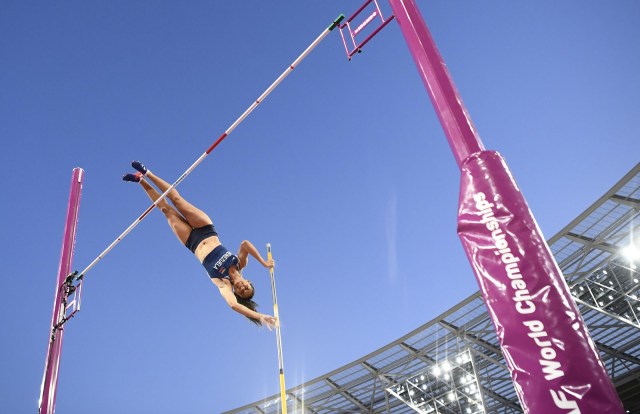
269,264
269,321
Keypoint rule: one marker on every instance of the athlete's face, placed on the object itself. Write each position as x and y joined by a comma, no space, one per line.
243,288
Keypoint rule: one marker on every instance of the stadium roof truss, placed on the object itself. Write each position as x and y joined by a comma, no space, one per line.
604,283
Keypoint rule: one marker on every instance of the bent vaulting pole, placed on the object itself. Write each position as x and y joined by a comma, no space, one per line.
283,393
553,361
233,126
54,350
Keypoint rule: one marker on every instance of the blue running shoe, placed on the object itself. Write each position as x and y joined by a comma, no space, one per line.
138,166
134,178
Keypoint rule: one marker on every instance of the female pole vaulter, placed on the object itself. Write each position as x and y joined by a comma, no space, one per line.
195,230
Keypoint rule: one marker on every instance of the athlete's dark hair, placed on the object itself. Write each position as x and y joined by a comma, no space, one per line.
248,303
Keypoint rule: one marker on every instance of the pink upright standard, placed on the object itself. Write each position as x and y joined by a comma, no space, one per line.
553,361
54,349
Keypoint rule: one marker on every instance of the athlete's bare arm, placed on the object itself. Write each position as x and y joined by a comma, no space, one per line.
246,249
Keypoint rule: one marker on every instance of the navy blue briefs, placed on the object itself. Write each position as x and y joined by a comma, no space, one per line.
199,234
218,262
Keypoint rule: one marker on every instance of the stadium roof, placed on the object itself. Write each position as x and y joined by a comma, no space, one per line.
606,286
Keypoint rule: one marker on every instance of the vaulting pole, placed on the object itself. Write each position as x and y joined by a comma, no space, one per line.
233,126
283,394
554,363
54,350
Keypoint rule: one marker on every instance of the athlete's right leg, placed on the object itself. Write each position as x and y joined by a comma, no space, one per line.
194,216
181,228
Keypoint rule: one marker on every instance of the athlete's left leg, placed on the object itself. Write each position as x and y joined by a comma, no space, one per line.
194,216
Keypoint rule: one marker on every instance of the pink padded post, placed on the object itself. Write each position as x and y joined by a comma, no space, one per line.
553,361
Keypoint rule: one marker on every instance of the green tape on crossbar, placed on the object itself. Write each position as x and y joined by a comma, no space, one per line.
336,22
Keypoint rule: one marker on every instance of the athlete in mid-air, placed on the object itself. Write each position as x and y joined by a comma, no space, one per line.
195,230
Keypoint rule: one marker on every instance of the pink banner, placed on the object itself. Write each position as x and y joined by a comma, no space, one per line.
553,361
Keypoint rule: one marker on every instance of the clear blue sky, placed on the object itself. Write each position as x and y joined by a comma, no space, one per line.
344,169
